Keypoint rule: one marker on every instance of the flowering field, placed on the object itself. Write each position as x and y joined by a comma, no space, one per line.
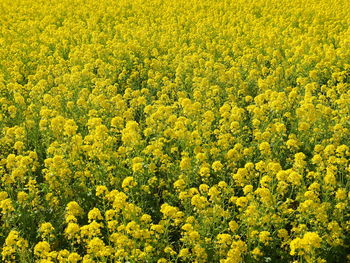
175,131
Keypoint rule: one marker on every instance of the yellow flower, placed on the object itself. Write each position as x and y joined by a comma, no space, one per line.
146,218
242,201
6,206
217,166
307,244
184,253
204,171
129,182
247,189
282,233
200,202
341,194
299,160
97,247
169,250
19,146
265,148
42,249
117,122
256,252
158,228
233,226
22,197
94,214
264,237
74,257
224,239
126,122
46,229
185,163
295,178
72,230
101,190
74,209
169,211
130,134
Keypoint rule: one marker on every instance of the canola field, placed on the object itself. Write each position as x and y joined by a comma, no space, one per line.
175,131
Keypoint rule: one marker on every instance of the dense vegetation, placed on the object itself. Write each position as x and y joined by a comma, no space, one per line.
174,131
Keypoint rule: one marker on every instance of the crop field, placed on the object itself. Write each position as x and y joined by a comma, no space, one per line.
177,131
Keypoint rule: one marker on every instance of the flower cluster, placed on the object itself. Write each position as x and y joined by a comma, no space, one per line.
174,131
